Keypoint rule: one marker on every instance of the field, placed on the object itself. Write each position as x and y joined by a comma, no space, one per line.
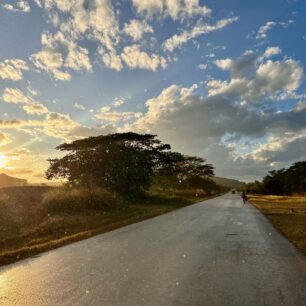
30,224
287,214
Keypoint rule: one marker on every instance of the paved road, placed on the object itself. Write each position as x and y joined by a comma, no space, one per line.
214,253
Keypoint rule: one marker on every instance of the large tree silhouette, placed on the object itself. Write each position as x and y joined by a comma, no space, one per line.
124,162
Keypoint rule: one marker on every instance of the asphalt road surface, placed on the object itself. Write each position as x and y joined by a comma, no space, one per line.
217,252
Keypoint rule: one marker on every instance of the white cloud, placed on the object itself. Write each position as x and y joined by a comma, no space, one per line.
282,75
279,149
35,108
30,106
105,109
8,7
111,59
263,30
97,20
135,58
14,95
118,102
51,61
77,21
178,40
198,125
137,28
21,6
61,75
57,125
78,58
79,106
114,116
24,6
176,9
271,51
202,66
12,69
253,78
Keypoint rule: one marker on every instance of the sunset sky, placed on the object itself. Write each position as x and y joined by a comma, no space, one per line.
219,79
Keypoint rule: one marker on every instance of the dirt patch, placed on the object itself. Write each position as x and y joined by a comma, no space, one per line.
287,214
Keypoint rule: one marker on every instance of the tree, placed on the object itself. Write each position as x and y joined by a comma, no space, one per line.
199,182
175,169
273,183
283,181
296,177
122,162
184,166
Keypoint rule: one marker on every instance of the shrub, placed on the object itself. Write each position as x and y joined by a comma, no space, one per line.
78,199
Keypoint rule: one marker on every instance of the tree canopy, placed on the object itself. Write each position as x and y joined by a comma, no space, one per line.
124,162
283,181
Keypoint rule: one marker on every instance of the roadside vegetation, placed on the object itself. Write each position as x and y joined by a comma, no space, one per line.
111,181
281,196
281,182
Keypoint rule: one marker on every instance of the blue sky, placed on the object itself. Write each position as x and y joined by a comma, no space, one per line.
220,79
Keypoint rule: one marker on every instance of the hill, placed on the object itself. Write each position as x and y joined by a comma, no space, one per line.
230,183
9,181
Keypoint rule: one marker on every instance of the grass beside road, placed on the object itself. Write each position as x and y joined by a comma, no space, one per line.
27,228
287,214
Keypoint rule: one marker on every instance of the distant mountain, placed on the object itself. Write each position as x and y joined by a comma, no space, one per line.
230,183
9,181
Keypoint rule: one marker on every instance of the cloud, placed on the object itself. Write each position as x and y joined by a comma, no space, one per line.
10,123
21,6
4,139
77,58
12,69
202,66
35,108
252,77
57,125
110,59
30,106
279,149
97,20
263,30
214,126
118,102
79,106
14,95
135,58
271,51
113,116
300,105
176,9
136,29
178,40
51,61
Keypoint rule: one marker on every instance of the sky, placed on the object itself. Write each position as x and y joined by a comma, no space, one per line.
219,79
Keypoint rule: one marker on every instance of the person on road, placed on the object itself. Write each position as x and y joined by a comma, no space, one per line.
244,197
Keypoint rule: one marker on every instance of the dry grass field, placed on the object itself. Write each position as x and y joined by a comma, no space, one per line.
36,219
287,214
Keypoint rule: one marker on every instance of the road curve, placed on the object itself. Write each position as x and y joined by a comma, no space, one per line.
217,252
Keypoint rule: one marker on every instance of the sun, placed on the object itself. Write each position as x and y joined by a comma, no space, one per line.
2,161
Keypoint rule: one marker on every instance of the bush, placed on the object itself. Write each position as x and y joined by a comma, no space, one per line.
78,199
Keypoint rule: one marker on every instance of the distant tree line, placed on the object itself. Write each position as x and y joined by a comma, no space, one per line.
128,164
281,182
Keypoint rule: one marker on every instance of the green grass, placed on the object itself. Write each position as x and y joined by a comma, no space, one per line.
30,224
287,214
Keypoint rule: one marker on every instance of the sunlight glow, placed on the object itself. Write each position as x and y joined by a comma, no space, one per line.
2,161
